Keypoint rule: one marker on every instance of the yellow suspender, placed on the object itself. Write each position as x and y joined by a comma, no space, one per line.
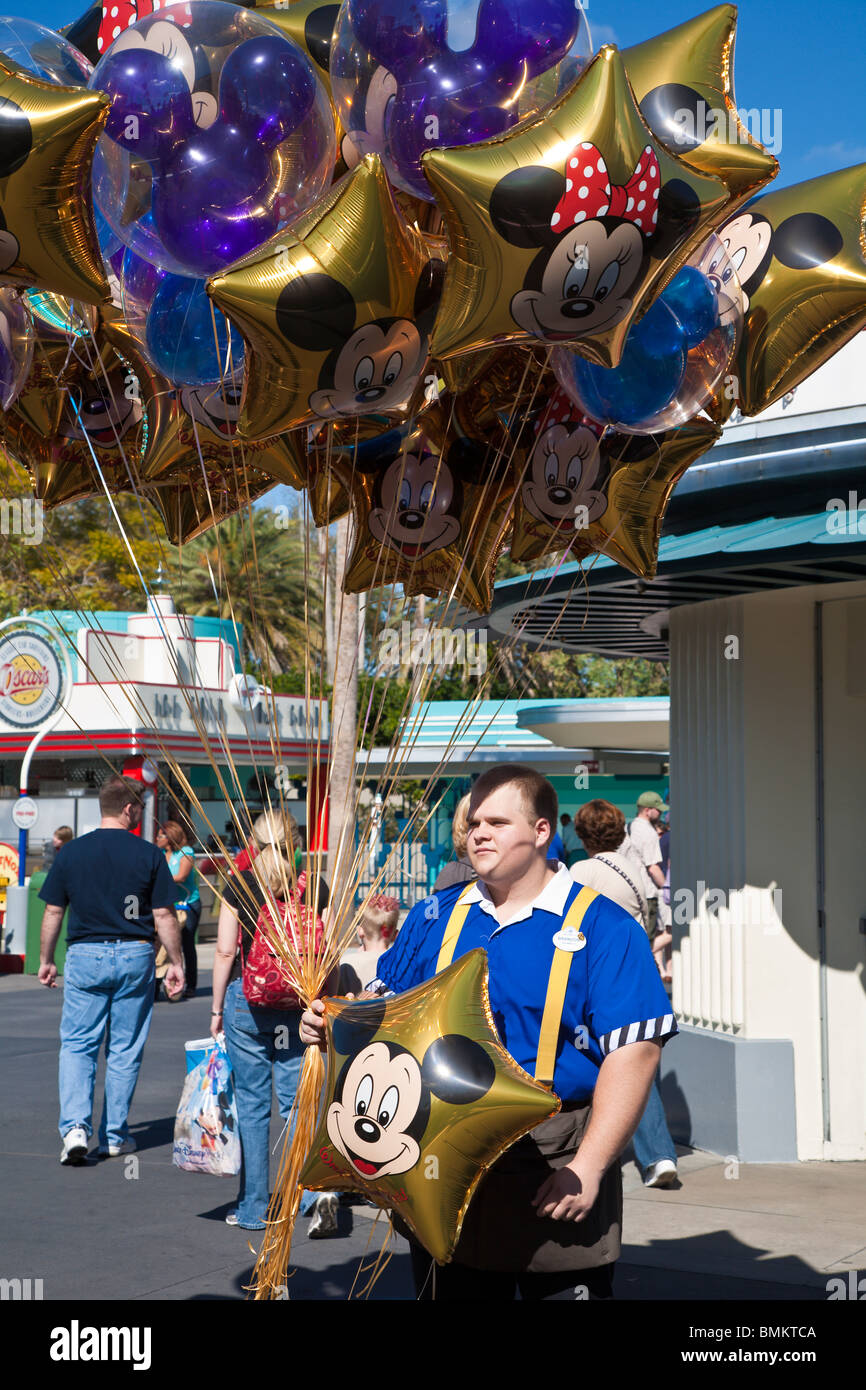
557,982
453,928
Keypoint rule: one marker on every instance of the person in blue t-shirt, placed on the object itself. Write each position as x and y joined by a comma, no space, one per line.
120,894
546,1220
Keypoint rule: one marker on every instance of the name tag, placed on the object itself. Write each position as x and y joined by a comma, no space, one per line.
569,939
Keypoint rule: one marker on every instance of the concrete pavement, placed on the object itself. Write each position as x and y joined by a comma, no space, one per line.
142,1229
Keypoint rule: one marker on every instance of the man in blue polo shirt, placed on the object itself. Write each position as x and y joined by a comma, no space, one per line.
577,1000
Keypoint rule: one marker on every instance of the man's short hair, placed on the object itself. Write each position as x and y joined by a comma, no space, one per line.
564,818
538,796
118,792
64,833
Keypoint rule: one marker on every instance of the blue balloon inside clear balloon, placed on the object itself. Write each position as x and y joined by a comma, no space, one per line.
179,334
647,379
693,300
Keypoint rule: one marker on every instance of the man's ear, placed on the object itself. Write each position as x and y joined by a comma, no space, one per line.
541,825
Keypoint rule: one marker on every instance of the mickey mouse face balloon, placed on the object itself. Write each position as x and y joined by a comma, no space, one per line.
413,75
422,1099
337,314
564,230
430,516
227,126
799,255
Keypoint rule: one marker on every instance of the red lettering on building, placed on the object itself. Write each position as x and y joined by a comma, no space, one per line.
14,680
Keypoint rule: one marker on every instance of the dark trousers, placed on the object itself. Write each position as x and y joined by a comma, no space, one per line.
187,941
454,1283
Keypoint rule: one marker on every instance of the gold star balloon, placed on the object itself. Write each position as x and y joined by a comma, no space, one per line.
47,137
82,423
800,254
421,1100
565,229
432,511
683,82
336,312
585,489
190,501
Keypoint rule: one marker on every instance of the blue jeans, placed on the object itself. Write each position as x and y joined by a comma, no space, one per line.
107,992
652,1141
252,1037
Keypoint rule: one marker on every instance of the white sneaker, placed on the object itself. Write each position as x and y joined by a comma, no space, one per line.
323,1221
661,1174
128,1146
74,1149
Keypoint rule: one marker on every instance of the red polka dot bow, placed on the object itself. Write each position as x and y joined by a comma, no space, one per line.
589,192
563,411
118,15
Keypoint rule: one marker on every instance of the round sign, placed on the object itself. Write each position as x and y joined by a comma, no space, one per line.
25,813
33,675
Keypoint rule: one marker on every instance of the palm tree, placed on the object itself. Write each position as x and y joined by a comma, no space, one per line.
256,570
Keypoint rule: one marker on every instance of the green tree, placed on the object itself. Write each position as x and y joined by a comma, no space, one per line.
255,574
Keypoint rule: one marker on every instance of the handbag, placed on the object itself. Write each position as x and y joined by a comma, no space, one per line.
206,1134
266,981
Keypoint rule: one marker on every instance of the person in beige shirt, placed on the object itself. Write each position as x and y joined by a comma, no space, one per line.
601,827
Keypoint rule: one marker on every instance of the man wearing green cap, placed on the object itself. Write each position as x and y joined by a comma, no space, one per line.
645,842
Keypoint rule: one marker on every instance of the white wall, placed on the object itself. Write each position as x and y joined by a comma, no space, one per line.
743,797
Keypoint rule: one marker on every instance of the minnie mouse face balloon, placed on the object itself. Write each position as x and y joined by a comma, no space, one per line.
223,127
565,230
586,489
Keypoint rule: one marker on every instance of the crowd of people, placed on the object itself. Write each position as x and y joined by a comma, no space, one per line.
511,866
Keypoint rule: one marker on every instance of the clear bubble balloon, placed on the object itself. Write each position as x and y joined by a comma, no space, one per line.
16,346
411,75
675,357
43,53
181,332
219,134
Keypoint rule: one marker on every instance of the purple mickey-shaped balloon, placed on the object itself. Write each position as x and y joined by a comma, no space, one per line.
151,108
211,204
449,96
267,87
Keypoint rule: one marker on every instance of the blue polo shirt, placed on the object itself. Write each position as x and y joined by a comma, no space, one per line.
614,996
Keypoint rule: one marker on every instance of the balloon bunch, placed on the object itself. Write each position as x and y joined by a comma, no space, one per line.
428,259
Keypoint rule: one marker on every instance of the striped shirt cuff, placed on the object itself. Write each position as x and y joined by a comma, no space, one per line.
661,1028
378,987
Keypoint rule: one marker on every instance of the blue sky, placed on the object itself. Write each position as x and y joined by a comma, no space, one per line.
802,59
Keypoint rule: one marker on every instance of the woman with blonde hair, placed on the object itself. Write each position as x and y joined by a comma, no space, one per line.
457,870
262,1041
